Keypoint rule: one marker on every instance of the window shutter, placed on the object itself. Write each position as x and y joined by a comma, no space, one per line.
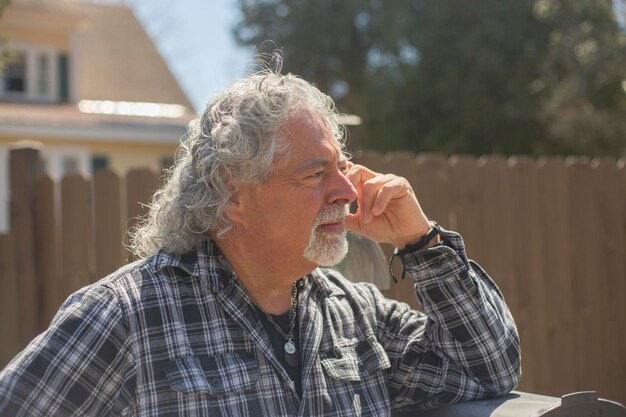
99,162
64,78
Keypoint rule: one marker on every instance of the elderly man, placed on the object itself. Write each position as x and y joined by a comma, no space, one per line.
231,313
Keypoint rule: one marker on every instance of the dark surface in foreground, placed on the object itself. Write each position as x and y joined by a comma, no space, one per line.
518,404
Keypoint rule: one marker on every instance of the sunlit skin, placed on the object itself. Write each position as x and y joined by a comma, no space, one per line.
272,221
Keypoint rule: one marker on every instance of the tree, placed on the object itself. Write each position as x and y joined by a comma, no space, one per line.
584,76
316,41
4,55
445,75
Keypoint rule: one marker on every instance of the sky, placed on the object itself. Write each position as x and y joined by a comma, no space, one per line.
195,39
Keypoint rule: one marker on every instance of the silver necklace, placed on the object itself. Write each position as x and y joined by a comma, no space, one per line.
290,346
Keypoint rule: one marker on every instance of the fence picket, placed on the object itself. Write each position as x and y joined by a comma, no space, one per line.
527,246
109,222
581,258
559,316
496,214
25,171
9,311
48,249
620,281
78,255
609,244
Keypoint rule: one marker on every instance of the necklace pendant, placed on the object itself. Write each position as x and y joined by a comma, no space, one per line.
292,356
290,347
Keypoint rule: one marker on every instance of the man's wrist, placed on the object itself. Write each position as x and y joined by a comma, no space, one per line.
424,240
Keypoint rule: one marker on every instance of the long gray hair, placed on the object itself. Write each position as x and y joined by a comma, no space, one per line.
237,140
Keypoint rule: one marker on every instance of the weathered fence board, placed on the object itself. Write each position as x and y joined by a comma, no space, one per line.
25,171
527,245
9,312
48,250
620,281
609,228
583,275
78,257
109,222
497,223
559,317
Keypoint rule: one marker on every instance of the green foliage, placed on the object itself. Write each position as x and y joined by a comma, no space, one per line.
508,76
4,55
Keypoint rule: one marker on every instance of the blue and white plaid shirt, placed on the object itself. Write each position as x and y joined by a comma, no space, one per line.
178,336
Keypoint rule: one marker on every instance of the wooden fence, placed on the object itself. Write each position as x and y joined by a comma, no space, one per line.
551,232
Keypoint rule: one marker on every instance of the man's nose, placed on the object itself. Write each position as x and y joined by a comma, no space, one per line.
342,191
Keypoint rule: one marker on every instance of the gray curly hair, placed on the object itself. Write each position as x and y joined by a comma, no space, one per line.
237,140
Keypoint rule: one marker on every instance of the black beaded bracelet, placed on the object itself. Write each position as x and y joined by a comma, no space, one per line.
434,231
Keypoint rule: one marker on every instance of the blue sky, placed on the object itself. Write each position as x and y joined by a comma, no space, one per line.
194,37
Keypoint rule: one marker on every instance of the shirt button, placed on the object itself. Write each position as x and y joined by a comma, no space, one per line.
216,383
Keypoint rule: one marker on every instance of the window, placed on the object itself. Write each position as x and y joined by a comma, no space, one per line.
15,74
64,78
99,162
69,165
60,161
34,73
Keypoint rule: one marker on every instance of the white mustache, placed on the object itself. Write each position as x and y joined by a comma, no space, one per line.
332,213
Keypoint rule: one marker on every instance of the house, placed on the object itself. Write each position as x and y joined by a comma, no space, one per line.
87,82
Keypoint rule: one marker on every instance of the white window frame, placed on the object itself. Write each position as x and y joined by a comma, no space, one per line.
55,155
32,52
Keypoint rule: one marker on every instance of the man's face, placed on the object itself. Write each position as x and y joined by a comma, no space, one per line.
297,215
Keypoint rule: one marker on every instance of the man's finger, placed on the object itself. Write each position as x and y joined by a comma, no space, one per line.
393,189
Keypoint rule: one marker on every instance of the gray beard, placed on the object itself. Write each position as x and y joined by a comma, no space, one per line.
327,248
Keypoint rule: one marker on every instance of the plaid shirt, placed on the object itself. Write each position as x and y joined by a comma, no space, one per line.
178,336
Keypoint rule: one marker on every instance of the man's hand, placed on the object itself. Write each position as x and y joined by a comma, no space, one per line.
388,209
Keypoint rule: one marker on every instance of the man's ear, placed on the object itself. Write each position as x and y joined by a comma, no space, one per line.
235,209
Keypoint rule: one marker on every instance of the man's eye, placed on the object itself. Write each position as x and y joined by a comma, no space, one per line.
318,174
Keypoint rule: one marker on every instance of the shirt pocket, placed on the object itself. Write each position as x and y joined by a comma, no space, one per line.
214,375
354,363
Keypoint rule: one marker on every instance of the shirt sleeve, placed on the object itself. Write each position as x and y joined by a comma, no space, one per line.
464,346
81,365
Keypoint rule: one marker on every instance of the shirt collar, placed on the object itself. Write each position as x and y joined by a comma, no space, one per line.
206,263
320,279
209,265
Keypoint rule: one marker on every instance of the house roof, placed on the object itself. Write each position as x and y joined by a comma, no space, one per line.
68,7
118,61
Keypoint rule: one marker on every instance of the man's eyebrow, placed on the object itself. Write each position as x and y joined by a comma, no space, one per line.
314,163
320,162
